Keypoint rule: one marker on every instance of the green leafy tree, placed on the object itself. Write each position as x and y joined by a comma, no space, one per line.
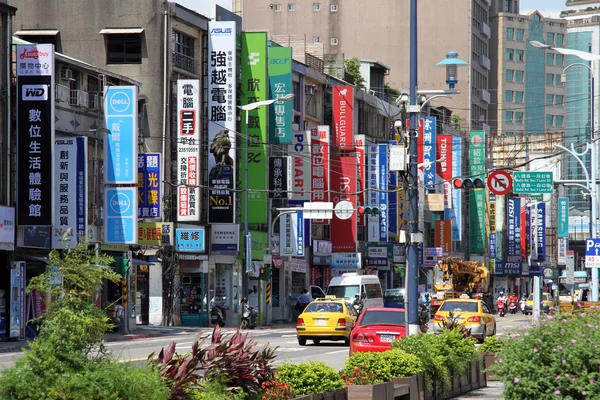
352,68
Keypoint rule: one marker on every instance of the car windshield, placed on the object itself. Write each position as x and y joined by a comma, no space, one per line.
371,317
347,292
324,306
465,306
394,295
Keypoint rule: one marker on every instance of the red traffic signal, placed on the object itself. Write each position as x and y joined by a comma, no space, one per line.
476,183
368,210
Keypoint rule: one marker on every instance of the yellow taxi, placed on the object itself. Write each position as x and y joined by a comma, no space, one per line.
327,318
546,303
474,314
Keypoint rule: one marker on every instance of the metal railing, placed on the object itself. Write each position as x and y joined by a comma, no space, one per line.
184,62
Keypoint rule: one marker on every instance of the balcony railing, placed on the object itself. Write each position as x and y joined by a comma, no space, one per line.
79,98
184,62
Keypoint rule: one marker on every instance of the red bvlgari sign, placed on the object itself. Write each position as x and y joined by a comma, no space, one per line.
343,113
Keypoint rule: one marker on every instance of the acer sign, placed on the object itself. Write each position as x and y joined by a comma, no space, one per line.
343,188
343,114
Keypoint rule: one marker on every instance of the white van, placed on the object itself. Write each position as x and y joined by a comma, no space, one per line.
351,284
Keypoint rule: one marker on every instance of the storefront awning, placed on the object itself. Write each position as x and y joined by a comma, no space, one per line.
29,257
135,261
121,31
37,32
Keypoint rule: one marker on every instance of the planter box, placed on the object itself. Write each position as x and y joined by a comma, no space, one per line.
335,395
378,391
489,359
413,383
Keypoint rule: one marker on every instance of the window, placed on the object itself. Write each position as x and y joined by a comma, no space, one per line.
518,118
277,7
558,81
549,59
549,79
508,116
558,120
333,41
519,76
559,100
316,6
510,54
510,33
549,120
560,60
520,34
183,44
373,291
316,39
520,55
518,97
291,7
509,96
124,49
560,38
549,37
393,316
333,8
510,75
506,6
549,99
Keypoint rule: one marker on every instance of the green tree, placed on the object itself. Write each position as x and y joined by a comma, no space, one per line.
352,68
391,92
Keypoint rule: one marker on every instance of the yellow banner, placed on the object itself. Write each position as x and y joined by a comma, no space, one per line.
155,233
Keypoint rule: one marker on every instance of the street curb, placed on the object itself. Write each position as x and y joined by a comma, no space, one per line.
15,348
133,336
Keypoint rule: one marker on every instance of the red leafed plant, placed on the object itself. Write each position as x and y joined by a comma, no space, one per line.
359,376
228,357
276,390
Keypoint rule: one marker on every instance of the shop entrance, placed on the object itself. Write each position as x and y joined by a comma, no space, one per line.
142,295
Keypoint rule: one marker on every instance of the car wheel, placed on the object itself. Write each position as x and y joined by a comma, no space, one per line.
317,341
495,330
301,341
244,324
347,341
484,335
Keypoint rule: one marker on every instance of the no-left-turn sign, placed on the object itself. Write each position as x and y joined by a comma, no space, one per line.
500,182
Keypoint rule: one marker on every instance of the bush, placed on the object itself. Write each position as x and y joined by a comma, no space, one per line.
313,377
490,345
557,358
386,365
275,390
217,390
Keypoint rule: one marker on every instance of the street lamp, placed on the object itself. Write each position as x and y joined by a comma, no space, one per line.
589,146
247,238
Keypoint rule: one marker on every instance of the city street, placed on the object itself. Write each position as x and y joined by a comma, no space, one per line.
332,353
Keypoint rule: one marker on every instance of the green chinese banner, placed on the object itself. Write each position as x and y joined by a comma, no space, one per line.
254,88
280,84
477,221
477,154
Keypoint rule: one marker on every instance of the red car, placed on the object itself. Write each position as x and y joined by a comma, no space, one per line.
377,328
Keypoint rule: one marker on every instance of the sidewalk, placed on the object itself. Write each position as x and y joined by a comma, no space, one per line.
493,391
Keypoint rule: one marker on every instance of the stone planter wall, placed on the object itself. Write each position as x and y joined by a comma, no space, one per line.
489,359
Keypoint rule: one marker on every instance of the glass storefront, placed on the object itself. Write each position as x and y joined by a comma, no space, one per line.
193,296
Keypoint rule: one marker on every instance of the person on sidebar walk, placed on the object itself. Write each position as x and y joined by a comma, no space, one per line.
303,300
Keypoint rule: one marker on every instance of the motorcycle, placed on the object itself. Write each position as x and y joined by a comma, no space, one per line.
358,304
249,315
424,317
501,306
217,315
512,307
523,303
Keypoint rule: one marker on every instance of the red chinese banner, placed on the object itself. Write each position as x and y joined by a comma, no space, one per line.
319,170
343,188
343,113
359,142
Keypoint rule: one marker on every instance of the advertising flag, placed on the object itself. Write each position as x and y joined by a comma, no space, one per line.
320,176
343,188
280,84
454,213
541,231
359,146
343,117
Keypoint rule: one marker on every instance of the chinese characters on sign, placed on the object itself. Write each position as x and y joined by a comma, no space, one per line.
361,176
279,177
120,220
188,149
155,233
149,185
222,114
319,170
291,234
429,142
343,171
343,117
190,240
280,84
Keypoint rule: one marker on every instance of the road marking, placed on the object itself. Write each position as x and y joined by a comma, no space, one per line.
290,349
338,351
288,335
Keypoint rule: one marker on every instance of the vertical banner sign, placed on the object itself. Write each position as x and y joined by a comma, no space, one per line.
149,185
443,236
343,117
300,151
563,217
392,197
188,149
120,215
120,147
373,198
523,230
222,114
291,241
383,196
477,154
359,146
492,221
429,143
70,208
254,88
319,168
16,328
513,230
541,231
35,134
343,188
279,177
454,213
280,84
420,141
531,232
444,168
477,196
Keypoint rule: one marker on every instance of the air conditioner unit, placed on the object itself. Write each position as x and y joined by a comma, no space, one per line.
66,74
309,89
62,93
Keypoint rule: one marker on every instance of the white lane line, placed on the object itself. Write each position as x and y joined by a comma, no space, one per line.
288,336
338,351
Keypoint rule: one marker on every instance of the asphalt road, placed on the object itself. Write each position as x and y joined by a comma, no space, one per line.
332,353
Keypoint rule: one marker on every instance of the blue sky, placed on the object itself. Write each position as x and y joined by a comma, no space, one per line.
548,8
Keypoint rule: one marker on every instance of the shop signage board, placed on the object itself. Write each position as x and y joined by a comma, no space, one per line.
343,117
444,168
508,268
361,171
190,240
429,151
319,167
120,219
592,253
343,185
291,233
562,250
454,213
280,84
533,182
346,260
7,230
513,229
155,233
224,237
570,266
149,188
563,217
280,178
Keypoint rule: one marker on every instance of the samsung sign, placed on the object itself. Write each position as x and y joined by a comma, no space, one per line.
34,92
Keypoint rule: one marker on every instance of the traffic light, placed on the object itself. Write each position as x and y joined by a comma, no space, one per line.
362,210
121,266
469,183
265,272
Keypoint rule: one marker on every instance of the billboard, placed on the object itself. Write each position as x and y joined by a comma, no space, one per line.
149,185
35,134
254,88
343,188
120,215
188,149
280,84
319,167
222,114
343,117
513,230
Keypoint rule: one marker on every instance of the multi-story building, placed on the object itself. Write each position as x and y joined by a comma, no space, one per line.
383,36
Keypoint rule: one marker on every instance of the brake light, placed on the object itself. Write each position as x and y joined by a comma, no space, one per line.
363,338
476,318
438,318
341,322
300,322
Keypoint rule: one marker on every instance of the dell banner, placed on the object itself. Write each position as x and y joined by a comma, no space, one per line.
280,84
222,114
513,230
343,188
343,117
35,134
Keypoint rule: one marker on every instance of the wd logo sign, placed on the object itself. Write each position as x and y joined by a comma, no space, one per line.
35,92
